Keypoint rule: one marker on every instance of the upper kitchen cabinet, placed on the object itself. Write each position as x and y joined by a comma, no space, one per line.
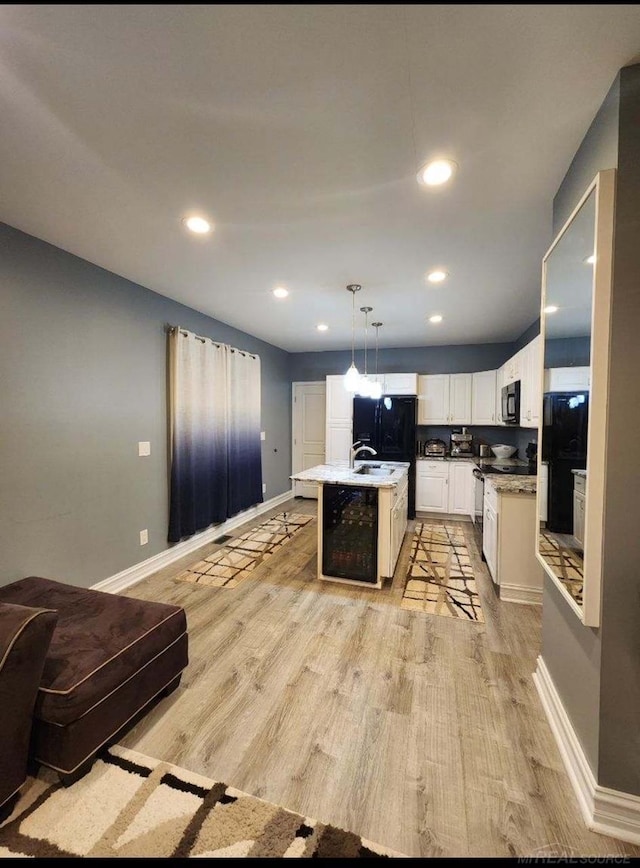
460,398
531,383
338,421
433,399
400,384
512,369
444,399
567,379
576,303
483,403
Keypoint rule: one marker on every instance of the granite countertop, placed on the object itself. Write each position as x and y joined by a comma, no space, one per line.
475,459
322,473
582,473
507,484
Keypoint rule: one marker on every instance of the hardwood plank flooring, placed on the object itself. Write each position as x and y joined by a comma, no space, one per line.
420,732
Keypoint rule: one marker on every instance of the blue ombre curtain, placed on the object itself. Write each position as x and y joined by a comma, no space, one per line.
245,450
214,405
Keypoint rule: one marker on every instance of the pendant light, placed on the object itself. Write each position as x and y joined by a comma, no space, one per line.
352,377
364,389
376,386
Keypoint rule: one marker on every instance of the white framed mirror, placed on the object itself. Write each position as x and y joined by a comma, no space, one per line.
574,324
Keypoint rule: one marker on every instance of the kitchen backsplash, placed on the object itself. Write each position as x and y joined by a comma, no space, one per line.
510,436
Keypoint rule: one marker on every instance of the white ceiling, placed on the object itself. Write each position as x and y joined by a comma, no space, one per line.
299,130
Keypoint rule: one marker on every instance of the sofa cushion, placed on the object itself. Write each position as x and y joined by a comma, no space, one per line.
101,640
25,634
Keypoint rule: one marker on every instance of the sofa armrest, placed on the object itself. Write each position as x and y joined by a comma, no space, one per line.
25,634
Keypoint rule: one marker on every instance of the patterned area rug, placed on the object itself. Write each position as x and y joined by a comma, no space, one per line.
565,563
131,805
227,567
440,579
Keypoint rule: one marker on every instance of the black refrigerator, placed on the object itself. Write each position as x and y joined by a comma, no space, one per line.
564,448
388,425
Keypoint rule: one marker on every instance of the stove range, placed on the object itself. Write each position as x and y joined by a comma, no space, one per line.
517,470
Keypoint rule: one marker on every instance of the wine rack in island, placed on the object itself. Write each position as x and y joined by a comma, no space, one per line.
350,532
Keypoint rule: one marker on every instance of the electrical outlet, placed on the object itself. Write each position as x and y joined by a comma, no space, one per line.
263,435
264,487
144,537
144,448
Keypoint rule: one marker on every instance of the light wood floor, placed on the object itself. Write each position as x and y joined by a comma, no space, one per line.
420,732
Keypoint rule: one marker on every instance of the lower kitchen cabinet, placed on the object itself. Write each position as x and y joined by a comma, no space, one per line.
445,486
579,491
508,544
432,486
461,488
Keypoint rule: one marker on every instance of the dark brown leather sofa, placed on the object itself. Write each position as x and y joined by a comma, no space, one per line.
25,634
110,656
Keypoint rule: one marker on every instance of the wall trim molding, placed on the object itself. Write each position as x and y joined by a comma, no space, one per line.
609,812
134,574
520,594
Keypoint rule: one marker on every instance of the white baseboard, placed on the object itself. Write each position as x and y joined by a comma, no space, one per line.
520,594
445,516
606,811
132,575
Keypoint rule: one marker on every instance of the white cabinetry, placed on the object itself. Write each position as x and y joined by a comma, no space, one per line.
433,399
399,384
432,486
579,489
567,379
398,518
338,422
531,376
508,543
543,491
444,399
460,398
490,538
461,488
483,403
445,486
512,369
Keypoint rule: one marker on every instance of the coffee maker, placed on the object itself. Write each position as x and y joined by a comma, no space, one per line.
461,444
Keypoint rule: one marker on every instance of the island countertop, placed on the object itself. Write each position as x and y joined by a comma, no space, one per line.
327,473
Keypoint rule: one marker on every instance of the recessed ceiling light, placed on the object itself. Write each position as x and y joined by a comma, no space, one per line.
280,292
590,260
198,225
436,172
435,318
322,327
437,276
551,308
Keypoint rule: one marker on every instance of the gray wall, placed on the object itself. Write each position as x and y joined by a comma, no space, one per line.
83,362
619,765
460,359
599,150
571,651
560,352
567,353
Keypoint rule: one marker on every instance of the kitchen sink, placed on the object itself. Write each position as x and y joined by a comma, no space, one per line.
368,470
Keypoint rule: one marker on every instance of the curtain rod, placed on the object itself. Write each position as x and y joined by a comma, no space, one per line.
172,328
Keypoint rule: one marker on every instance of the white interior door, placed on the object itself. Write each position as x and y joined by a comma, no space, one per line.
309,417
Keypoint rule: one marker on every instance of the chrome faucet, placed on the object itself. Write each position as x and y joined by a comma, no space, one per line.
355,448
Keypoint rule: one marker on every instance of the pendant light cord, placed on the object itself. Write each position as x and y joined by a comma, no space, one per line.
353,329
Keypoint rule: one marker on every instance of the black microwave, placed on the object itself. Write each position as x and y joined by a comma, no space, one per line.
511,403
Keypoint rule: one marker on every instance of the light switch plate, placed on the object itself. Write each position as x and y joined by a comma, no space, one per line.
263,435
144,448
144,537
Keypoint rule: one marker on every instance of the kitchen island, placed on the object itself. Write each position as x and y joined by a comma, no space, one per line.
362,518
